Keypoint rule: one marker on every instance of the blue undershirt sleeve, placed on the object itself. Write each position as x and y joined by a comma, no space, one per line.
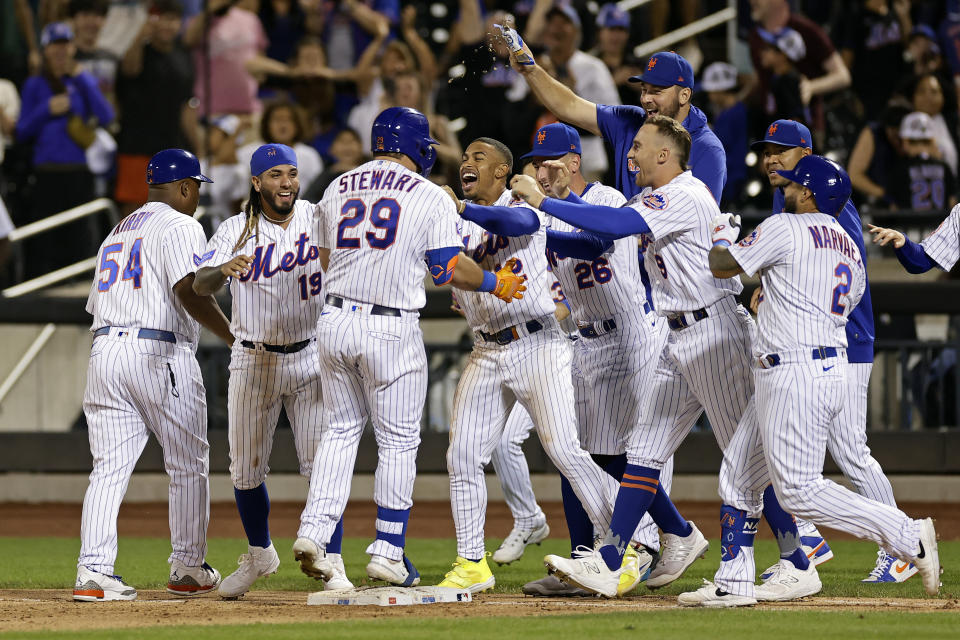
581,245
611,223
913,258
503,221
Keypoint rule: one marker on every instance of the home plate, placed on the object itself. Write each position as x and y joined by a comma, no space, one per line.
389,596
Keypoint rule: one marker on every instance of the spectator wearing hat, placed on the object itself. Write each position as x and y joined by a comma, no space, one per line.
872,48
587,75
87,18
729,123
923,50
921,180
60,110
613,47
666,86
821,67
784,99
155,85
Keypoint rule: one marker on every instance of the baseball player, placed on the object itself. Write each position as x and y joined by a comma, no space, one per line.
813,277
940,249
379,227
704,366
519,355
614,355
784,144
144,378
276,287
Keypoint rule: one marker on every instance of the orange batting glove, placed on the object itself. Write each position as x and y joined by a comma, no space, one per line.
509,284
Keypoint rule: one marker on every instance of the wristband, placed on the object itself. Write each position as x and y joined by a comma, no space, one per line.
489,281
722,243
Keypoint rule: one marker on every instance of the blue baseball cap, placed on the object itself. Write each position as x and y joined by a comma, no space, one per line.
666,69
611,16
554,141
56,32
171,165
924,30
788,133
268,156
566,11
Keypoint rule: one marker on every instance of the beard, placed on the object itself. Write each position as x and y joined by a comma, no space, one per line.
790,203
280,207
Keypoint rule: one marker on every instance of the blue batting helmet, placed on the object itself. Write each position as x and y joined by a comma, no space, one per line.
827,180
171,165
406,131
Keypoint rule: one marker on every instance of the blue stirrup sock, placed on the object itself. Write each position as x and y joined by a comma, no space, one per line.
665,514
254,508
736,531
784,528
336,540
638,488
392,526
578,522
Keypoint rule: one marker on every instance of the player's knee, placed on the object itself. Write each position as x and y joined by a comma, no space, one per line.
249,479
793,497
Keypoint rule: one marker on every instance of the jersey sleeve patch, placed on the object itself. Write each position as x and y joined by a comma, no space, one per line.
199,260
750,239
656,200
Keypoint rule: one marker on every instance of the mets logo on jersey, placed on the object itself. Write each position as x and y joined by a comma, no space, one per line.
750,239
655,200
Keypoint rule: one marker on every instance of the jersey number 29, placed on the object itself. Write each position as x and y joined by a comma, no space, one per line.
384,216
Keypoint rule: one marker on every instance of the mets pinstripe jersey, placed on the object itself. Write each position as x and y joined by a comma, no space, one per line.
141,259
279,299
607,285
399,214
488,313
943,245
812,272
679,215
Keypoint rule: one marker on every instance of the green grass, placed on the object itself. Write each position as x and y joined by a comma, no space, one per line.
50,563
42,563
650,624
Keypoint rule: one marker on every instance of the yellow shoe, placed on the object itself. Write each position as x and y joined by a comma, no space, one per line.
635,568
472,576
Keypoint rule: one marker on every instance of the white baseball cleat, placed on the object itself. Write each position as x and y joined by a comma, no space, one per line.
339,579
586,569
890,569
552,586
256,563
399,572
928,558
192,581
789,583
511,549
711,596
676,554
313,560
93,586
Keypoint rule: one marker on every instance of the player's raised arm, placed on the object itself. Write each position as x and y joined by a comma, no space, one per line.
910,254
553,94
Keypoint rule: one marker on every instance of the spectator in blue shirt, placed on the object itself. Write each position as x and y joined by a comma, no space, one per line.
729,123
60,111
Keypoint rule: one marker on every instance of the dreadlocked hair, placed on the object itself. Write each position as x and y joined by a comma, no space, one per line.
252,209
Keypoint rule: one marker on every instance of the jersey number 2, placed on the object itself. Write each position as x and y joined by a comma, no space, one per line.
133,270
384,216
843,288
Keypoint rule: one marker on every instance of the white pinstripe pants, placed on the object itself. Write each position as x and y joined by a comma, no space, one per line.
534,370
370,367
134,388
260,382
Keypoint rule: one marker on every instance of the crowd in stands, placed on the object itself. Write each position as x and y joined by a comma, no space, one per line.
90,89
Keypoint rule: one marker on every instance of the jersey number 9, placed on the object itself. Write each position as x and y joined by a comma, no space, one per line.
384,216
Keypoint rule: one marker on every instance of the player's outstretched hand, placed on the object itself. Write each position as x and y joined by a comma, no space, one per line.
526,188
883,236
509,284
558,174
521,58
237,267
725,228
756,299
457,202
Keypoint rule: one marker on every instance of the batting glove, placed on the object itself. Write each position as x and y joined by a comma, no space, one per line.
725,228
509,284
